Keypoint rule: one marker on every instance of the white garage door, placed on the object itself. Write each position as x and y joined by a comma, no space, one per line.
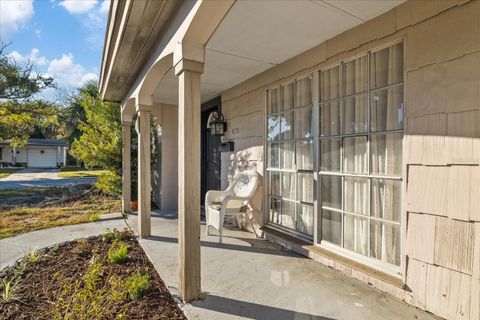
45,159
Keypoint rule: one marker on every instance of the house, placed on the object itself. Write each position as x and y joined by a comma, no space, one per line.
38,153
362,117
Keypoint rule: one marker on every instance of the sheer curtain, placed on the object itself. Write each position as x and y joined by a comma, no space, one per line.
387,114
355,113
331,186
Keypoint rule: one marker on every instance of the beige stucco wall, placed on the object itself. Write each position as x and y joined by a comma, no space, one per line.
441,144
166,116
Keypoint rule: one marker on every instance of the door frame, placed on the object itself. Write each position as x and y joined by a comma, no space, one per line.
214,104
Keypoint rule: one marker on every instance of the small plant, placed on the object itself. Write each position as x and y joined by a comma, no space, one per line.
82,247
110,236
9,288
137,284
55,248
118,252
33,256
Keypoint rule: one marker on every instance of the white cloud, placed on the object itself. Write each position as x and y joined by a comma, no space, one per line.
105,6
34,57
67,73
14,15
38,33
78,6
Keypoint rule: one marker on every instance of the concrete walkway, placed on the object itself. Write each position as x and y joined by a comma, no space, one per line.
39,178
243,278
14,248
248,278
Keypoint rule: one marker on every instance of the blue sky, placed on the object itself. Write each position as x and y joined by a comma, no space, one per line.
62,38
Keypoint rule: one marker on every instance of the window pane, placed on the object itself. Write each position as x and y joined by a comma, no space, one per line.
287,95
304,92
386,199
330,118
275,210
387,109
356,195
273,103
356,76
330,154
286,155
286,127
387,66
305,155
331,191
273,155
355,114
332,227
288,214
288,185
273,127
330,83
356,234
305,187
386,153
355,154
305,219
274,183
303,123
385,242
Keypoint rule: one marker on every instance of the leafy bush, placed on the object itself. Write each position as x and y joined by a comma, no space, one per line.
110,183
137,284
118,252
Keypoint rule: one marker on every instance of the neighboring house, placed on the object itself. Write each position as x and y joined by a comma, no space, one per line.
38,153
363,117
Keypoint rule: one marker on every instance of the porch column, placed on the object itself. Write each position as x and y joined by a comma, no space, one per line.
188,72
144,188
126,165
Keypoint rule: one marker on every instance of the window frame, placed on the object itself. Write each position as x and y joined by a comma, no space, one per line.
317,173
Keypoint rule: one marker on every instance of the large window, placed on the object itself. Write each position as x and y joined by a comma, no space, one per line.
360,132
290,156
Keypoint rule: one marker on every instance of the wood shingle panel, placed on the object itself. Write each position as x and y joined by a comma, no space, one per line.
420,230
448,293
426,189
454,244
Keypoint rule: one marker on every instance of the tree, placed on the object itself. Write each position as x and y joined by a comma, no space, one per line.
18,82
100,143
18,121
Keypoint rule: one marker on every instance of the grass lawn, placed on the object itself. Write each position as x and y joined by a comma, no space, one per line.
25,210
79,172
6,172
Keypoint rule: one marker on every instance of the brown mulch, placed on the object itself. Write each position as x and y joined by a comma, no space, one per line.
42,282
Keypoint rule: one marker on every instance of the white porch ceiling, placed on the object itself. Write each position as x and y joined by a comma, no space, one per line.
257,35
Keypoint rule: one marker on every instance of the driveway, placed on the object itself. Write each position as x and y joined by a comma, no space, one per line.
39,178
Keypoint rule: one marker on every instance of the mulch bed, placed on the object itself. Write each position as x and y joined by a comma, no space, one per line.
42,282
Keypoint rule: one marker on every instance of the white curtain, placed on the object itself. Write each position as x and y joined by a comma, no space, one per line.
355,156
387,114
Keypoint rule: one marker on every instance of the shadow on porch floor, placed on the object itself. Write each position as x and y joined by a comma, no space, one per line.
249,278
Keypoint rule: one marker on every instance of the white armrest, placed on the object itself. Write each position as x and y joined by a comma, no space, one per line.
215,196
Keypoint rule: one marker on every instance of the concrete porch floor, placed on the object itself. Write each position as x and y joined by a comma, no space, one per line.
249,278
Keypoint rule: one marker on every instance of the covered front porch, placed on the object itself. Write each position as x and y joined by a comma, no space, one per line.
250,278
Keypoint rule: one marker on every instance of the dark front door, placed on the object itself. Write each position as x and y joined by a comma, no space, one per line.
210,154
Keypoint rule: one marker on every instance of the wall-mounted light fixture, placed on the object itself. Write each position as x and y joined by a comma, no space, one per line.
216,123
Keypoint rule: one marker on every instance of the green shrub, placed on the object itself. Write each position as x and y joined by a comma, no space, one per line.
137,284
118,252
110,183
110,236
